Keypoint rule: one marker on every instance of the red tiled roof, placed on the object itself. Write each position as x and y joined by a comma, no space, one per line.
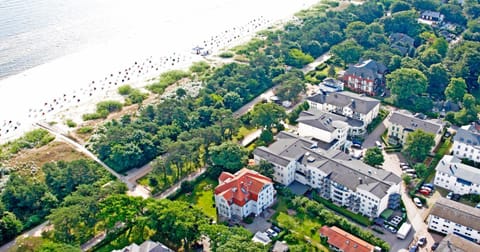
242,186
345,241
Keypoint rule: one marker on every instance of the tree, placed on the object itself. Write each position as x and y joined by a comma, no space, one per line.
437,80
265,168
266,137
181,92
349,51
331,71
398,6
228,156
232,100
374,157
297,58
10,226
421,169
456,89
267,115
468,113
430,57
418,144
403,22
121,209
441,45
453,13
406,83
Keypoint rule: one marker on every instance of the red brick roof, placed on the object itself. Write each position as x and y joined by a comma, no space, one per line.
345,241
242,186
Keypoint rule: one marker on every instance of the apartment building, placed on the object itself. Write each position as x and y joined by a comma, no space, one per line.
351,105
466,143
454,176
243,193
451,217
345,181
403,123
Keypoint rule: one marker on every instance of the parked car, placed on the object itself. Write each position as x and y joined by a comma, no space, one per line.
422,241
426,188
435,246
478,205
405,167
276,229
431,186
413,249
417,202
449,195
412,175
271,233
412,171
424,192
456,197
392,229
378,144
403,164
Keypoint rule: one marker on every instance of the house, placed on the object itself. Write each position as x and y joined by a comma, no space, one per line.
451,217
366,77
466,142
457,177
243,193
330,85
337,177
261,237
352,105
342,241
402,42
454,243
434,16
146,246
402,123
280,247
328,128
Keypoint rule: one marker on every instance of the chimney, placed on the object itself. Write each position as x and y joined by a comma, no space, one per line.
360,181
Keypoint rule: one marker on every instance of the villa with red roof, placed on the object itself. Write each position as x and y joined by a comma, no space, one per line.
342,241
243,193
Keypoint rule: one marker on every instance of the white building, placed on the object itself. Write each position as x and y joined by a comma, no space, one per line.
356,106
451,217
243,193
403,123
457,177
466,143
346,182
328,129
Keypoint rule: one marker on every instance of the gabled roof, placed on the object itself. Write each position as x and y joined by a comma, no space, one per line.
433,14
457,212
468,135
454,243
241,187
345,241
357,102
327,121
367,69
454,167
412,123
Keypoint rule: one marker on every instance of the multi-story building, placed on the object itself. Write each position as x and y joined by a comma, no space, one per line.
454,243
366,77
402,123
457,177
328,129
243,193
352,105
345,181
341,241
451,217
466,143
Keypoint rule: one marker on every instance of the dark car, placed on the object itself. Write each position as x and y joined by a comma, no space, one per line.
435,246
413,249
456,197
276,229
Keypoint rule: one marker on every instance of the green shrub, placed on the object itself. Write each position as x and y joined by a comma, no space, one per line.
226,55
200,67
321,67
32,139
320,76
109,106
125,90
137,97
85,130
167,79
70,123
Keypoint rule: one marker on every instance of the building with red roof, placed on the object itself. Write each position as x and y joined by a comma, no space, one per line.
243,193
342,241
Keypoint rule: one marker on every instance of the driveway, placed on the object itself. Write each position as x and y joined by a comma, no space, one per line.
395,243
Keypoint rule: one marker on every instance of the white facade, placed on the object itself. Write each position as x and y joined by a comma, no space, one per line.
449,227
340,133
459,178
347,111
244,194
466,150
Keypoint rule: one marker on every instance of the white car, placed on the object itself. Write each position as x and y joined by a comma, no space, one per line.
378,144
417,202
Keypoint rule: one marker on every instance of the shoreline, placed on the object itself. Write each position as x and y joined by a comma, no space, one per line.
72,101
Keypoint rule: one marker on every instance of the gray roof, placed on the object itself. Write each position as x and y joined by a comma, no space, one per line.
367,69
454,167
469,136
412,123
326,120
402,42
338,166
358,102
433,14
146,246
454,243
457,212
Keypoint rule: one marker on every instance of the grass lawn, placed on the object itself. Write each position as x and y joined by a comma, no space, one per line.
202,197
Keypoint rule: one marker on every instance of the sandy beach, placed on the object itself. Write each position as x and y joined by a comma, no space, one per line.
70,86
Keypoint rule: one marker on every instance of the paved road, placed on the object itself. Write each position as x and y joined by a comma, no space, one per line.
35,232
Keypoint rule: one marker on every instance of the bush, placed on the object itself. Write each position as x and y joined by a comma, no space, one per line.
321,67
199,67
85,130
167,79
226,55
109,106
70,123
125,90
249,219
136,97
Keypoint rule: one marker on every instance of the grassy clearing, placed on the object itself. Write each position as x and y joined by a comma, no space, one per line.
202,197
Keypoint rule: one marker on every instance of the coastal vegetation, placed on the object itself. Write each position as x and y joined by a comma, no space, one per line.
32,139
104,108
166,79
